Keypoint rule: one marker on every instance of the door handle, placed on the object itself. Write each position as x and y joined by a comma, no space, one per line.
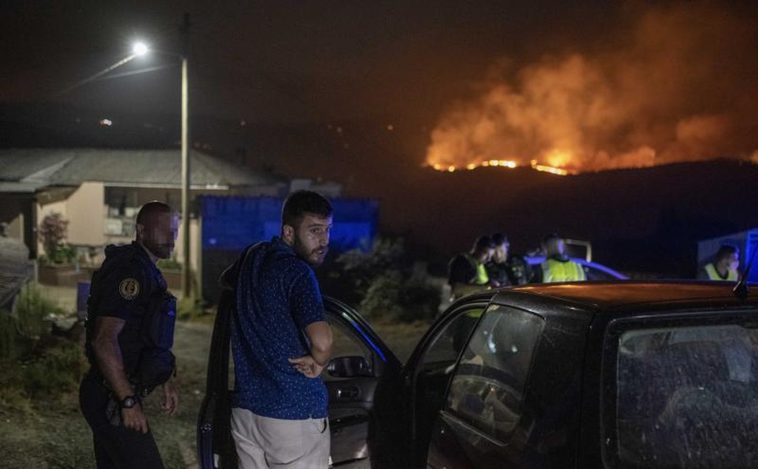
350,392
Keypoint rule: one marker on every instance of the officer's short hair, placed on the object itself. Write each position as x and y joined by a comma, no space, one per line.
499,239
550,237
726,250
300,203
150,210
483,243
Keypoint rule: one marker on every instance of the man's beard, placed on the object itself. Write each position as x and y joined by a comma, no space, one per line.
161,251
313,258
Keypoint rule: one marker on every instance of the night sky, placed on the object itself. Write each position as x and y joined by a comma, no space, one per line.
283,60
587,85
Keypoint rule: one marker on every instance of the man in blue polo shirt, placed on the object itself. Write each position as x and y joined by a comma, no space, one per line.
281,343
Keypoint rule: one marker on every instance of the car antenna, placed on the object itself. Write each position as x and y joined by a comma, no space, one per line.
741,289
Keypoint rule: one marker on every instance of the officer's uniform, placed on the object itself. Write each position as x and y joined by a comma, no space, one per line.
515,271
562,269
710,272
128,286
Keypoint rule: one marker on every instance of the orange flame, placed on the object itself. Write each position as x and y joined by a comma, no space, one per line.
642,103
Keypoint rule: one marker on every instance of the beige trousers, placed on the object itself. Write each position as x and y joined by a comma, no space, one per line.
264,443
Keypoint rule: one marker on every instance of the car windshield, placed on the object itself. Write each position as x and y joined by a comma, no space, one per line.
687,397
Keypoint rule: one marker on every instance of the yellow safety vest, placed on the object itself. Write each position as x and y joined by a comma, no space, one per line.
481,274
554,271
713,274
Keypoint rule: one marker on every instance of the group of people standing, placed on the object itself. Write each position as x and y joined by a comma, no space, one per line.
490,264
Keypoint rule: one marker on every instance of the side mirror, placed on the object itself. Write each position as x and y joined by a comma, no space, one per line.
349,367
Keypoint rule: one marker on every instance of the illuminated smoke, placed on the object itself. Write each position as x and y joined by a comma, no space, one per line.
681,85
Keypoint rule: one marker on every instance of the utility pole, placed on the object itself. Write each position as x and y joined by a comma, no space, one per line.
186,179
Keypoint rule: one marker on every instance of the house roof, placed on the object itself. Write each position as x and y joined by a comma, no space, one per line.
147,168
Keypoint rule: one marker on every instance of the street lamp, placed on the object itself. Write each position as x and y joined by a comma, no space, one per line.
138,49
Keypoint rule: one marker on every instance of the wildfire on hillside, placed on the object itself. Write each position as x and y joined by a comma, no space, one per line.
677,85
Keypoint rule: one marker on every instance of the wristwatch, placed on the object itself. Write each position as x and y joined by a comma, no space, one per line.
128,402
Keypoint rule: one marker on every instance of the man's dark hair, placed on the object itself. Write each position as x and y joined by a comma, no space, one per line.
726,250
482,244
148,211
300,203
499,239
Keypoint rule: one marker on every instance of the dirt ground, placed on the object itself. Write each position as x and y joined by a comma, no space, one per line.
55,435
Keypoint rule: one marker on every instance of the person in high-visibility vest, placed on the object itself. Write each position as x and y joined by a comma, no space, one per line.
724,266
557,266
467,272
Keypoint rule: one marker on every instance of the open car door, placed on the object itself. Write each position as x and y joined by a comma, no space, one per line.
358,376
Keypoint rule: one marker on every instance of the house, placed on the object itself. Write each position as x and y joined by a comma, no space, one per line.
98,191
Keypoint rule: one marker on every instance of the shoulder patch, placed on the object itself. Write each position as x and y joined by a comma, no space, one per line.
129,288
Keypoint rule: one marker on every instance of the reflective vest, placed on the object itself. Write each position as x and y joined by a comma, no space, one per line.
481,277
554,271
713,274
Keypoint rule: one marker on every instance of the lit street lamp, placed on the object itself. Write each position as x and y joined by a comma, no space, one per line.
139,49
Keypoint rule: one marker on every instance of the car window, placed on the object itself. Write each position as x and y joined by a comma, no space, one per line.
345,343
487,388
593,273
687,397
444,349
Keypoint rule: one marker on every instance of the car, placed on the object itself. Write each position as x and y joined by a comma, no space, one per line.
573,375
592,270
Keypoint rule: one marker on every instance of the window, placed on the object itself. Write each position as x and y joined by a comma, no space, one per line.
593,273
122,208
686,397
487,388
346,344
442,353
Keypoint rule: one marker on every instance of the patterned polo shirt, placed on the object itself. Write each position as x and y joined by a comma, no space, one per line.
277,298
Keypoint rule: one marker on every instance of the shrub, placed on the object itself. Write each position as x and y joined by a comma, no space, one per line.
382,281
53,371
359,269
381,297
58,370
63,254
20,331
53,231
32,307
419,300
169,264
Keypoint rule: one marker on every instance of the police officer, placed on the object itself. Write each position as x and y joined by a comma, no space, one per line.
724,266
504,268
557,266
467,272
130,329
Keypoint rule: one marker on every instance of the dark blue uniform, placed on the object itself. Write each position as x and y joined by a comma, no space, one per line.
128,286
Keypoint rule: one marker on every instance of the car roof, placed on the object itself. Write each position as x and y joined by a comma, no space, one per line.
618,296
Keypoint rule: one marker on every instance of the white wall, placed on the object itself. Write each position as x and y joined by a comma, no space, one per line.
85,212
86,215
194,245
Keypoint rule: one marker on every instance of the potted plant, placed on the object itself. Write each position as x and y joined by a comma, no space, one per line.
57,263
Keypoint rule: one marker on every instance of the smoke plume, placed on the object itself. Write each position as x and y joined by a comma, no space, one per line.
677,84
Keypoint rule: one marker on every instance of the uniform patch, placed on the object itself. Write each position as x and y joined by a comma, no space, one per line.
129,288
